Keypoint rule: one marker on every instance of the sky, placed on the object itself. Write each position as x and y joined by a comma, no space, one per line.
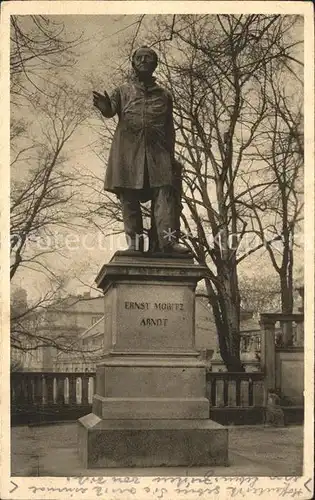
96,59
103,49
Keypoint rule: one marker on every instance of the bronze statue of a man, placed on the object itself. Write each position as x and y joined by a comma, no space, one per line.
141,164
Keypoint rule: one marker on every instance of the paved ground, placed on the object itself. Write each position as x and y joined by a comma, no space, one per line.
51,450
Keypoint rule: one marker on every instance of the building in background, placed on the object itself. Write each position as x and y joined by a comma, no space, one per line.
53,332
91,341
77,324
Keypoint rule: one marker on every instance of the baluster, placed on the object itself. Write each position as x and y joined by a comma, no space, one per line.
220,392
85,390
79,390
238,392
67,390
214,392
15,388
23,393
25,389
258,343
72,389
244,393
91,389
44,382
12,390
19,389
225,392
242,344
231,392
55,389
38,388
60,390
50,389
250,392
33,384
29,388
299,334
258,393
94,384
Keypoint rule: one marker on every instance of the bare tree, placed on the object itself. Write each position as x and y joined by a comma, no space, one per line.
260,293
218,69
48,193
44,191
38,337
282,154
47,196
40,49
39,44
281,150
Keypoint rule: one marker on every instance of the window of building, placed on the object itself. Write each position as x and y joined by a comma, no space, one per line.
95,319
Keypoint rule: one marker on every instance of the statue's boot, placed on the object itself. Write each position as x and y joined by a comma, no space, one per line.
177,248
135,244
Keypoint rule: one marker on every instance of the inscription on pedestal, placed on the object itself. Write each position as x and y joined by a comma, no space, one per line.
154,317
156,306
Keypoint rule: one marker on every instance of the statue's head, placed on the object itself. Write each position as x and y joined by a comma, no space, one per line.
144,60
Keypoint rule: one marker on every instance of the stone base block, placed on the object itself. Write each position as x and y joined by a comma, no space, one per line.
162,408
151,443
151,381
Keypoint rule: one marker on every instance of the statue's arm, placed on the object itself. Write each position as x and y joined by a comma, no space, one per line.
109,106
113,104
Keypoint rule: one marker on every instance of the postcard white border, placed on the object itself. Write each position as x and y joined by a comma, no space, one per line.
158,7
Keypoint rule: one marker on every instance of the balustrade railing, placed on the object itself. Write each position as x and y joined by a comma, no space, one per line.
250,342
66,389
48,389
35,396
228,389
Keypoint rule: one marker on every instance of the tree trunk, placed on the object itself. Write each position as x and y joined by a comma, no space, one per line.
286,295
287,308
230,335
226,310
286,273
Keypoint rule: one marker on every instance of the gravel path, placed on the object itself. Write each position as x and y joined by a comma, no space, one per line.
51,450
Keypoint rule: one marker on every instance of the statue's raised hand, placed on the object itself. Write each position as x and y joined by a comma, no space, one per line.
101,102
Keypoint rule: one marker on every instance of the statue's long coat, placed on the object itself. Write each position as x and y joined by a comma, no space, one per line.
144,136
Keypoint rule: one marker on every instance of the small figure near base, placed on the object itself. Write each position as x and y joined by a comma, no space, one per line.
274,415
142,164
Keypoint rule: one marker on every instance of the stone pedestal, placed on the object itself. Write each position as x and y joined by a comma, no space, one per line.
150,407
